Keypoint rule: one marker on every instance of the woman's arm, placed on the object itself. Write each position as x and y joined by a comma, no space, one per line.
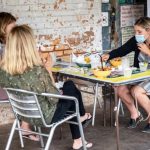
45,78
125,49
144,48
47,63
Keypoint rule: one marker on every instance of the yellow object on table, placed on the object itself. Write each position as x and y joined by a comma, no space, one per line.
100,73
87,60
115,62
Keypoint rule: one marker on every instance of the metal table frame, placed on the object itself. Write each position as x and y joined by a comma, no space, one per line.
97,82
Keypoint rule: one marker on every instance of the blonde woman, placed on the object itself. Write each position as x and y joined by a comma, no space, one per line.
21,68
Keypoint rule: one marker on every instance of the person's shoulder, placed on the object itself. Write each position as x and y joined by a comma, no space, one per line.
132,39
2,72
38,70
4,76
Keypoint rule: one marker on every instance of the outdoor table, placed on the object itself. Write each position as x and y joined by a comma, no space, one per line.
139,77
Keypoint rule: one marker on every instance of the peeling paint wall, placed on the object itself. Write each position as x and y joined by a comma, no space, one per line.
68,24
75,23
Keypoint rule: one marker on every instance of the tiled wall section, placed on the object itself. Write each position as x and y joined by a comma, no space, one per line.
75,23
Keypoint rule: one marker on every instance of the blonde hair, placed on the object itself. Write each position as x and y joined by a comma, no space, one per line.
5,20
20,52
143,22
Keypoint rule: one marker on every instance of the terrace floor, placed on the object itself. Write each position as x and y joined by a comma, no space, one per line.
103,138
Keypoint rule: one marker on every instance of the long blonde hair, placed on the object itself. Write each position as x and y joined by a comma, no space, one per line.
5,20
143,22
20,52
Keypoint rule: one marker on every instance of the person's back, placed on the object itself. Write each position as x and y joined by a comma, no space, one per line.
21,68
36,80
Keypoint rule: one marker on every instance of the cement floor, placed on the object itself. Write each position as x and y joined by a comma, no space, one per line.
103,138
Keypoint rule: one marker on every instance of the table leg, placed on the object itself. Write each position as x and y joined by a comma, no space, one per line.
117,119
95,102
104,110
111,108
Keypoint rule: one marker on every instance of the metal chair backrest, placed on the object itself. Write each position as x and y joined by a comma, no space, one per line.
25,104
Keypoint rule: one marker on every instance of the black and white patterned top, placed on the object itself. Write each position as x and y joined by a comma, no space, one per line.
144,58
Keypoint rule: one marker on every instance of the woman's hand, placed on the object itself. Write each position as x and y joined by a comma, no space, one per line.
144,48
105,57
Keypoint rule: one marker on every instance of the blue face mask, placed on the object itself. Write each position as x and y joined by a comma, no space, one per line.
140,38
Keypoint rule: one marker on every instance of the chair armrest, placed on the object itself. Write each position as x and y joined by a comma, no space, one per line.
65,97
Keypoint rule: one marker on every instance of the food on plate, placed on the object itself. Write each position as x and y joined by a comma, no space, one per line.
115,62
101,73
81,59
87,60
106,68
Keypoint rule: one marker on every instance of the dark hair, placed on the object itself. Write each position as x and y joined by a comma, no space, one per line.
5,19
144,22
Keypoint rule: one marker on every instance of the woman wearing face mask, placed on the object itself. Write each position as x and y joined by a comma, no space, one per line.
140,45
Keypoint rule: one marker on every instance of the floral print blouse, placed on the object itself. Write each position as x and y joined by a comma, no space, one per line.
36,80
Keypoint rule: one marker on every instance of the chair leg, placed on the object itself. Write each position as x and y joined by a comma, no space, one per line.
81,132
95,101
20,135
122,111
120,106
50,137
41,137
11,135
104,110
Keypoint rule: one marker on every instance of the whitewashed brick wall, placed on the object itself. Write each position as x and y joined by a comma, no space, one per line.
76,22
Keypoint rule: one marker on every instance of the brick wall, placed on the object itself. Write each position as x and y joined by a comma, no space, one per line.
67,24
75,23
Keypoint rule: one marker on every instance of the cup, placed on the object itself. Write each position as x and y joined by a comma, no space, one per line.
85,69
125,63
143,66
127,72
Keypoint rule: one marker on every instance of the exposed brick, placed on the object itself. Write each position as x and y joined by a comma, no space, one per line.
60,19
67,52
74,22
59,53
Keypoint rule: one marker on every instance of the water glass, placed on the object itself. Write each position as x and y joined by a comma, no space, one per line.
127,72
125,62
85,69
143,66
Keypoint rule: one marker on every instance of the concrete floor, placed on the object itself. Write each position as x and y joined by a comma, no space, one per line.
103,138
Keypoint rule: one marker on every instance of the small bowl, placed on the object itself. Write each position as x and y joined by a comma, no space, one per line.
99,73
84,65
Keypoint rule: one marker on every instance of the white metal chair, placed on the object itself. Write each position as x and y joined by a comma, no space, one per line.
120,105
25,104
